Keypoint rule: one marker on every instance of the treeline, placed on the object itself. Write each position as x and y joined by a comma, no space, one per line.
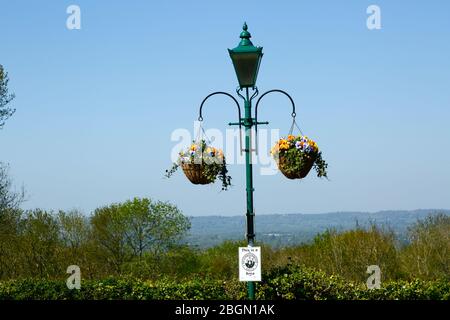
141,238
347,254
117,239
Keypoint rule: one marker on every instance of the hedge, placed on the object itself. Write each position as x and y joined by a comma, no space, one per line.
291,282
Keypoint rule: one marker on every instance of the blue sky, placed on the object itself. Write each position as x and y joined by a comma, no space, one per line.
96,107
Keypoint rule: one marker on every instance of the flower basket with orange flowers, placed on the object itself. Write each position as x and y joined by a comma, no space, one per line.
202,164
296,155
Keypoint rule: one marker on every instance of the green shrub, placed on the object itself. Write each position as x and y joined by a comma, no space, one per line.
113,289
294,282
289,282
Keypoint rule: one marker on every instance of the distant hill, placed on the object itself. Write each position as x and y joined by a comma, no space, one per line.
289,229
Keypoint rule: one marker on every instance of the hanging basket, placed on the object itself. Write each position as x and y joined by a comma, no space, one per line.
285,167
196,173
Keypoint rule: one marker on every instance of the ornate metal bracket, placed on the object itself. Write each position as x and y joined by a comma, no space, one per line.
200,117
293,114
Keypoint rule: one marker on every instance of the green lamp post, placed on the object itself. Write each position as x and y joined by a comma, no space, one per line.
246,60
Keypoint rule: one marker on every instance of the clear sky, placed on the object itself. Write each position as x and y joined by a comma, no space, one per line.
96,107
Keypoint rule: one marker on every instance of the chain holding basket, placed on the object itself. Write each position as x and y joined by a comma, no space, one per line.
202,163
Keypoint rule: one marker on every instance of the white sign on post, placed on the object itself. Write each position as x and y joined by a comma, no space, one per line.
249,263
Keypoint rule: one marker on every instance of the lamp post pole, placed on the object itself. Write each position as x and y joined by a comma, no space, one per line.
248,123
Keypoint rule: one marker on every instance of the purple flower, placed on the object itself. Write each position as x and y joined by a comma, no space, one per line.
308,148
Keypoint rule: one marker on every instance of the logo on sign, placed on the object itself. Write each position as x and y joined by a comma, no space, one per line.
249,262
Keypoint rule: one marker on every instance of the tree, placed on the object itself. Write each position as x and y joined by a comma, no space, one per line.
40,244
349,253
5,98
10,263
9,199
78,246
221,260
428,254
108,233
74,229
10,216
153,226
128,230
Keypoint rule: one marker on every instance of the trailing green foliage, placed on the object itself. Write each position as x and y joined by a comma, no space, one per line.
320,166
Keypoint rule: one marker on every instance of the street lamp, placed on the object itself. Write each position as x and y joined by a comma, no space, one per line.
246,59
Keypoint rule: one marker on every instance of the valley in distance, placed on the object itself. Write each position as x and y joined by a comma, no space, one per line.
280,230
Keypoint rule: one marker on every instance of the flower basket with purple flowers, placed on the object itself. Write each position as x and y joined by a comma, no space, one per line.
202,164
297,155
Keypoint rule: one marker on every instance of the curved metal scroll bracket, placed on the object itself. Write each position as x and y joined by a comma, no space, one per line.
238,92
293,114
275,90
200,117
255,93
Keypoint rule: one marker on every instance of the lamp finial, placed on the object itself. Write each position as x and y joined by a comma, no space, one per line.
245,36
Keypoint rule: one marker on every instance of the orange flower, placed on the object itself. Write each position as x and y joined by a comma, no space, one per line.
284,145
